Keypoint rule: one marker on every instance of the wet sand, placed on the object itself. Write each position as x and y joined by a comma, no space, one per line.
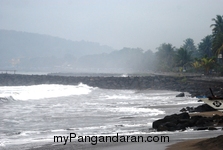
176,141
120,146
215,143
138,146
199,144
105,146
207,114
185,145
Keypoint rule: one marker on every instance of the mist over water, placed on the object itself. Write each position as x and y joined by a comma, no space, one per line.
52,54
34,114
118,37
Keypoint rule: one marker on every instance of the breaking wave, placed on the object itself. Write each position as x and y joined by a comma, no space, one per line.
6,99
42,91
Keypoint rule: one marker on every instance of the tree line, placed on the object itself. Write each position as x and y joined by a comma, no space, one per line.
206,57
65,56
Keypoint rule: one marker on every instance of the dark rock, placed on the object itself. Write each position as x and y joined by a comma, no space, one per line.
183,116
180,95
217,119
169,124
203,108
201,128
200,108
162,128
212,128
181,127
156,124
172,118
201,122
193,120
172,123
182,121
183,110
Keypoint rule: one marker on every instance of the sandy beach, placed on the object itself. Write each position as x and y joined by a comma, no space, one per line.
105,146
186,145
175,144
197,141
207,114
214,143
184,139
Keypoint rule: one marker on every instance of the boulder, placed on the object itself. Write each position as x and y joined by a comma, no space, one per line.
182,121
156,124
205,128
172,122
180,95
200,108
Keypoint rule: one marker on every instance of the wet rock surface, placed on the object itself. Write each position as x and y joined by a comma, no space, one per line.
180,95
200,108
182,121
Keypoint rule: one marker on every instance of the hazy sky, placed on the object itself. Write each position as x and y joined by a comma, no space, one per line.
117,23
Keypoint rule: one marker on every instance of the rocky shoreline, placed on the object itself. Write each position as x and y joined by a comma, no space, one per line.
195,85
184,120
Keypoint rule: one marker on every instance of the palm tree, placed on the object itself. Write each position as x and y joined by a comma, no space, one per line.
205,47
196,65
183,57
207,63
217,34
165,57
189,45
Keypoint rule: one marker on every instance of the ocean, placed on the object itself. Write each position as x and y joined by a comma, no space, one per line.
32,115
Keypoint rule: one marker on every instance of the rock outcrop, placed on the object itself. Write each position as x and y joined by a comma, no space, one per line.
200,108
180,95
182,121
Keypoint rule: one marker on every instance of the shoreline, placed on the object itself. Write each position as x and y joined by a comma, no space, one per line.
211,143
186,145
153,82
177,141
214,143
105,146
182,139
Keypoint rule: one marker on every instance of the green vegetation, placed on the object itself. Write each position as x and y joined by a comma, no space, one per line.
183,57
205,58
51,54
165,57
217,32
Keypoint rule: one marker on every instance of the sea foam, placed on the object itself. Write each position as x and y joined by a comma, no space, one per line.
42,91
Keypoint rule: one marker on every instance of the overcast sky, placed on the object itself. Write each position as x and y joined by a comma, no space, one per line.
117,23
